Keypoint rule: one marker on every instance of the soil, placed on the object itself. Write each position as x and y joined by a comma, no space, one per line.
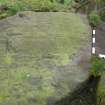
100,39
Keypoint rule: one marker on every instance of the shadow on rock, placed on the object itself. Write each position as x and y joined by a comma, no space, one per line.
85,94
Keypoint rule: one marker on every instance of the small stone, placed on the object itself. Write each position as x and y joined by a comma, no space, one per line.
80,101
28,75
91,89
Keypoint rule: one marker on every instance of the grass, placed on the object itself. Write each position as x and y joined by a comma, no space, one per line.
36,44
97,66
11,7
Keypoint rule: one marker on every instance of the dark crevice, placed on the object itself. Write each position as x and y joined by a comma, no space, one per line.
85,94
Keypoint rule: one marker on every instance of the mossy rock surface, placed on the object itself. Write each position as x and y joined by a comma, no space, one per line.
39,55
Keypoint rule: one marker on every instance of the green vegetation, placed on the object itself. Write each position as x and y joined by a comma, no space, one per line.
89,6
97,70
11,7
94,18
67,2
97,66
37,43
